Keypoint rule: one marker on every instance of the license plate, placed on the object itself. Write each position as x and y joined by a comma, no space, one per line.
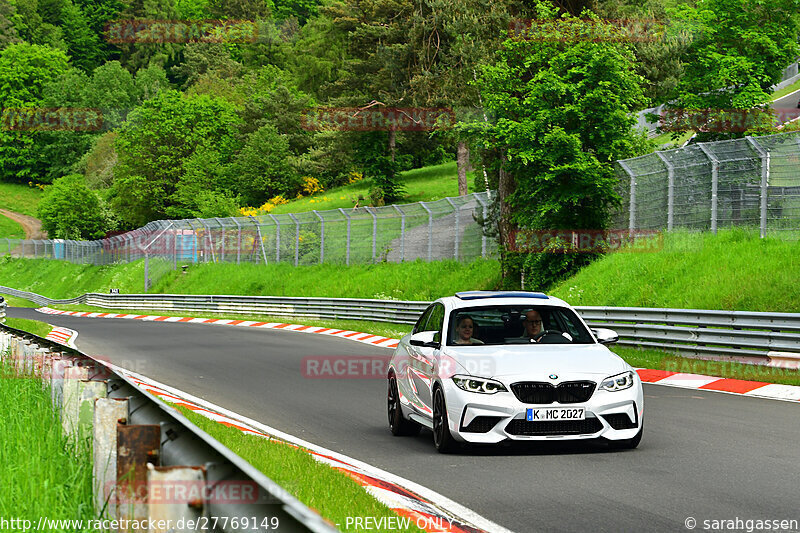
555,413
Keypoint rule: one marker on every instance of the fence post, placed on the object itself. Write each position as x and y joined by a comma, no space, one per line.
238,239
714,185
296,239
222,238
457,213
479,199
402,233
260,239
207,229
321,237
430,230
632,199
764,156
374,230
146,271
670,191
277,238
347,252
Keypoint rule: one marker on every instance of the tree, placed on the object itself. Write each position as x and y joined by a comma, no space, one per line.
155,145
24,68
70,210
262,169
8,33
740,51
563,116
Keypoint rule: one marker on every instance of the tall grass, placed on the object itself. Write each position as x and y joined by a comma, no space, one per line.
40,475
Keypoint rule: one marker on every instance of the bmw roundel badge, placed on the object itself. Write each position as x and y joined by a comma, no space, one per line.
553,376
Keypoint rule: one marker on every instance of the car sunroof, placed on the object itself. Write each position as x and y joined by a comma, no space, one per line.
479,295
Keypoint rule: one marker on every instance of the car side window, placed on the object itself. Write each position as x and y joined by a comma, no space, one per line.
436,321
420,325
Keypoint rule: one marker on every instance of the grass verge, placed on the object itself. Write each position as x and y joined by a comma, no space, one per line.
14,301
332,493
36,327
41,475
10,229
20,198
734,270
786,90
658,360
415,280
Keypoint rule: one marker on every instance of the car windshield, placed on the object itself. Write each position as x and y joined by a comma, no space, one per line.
502,325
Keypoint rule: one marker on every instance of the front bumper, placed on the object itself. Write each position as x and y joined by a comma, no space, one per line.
488,419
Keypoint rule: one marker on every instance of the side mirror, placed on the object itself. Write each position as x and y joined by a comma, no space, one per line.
605,336
426,339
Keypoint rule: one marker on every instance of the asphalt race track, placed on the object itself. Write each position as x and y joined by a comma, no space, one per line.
705,455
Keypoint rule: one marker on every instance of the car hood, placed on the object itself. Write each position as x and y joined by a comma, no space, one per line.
537,362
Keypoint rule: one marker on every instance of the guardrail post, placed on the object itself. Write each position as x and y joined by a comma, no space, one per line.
632,198
166,505
347,252
296,239
402,232
137,445
73,375
430,230
670,190
107,413
764,156
714,185
455,239
321,237
374,230
277,238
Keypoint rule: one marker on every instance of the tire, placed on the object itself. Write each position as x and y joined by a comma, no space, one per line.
629,444
397,423
442,438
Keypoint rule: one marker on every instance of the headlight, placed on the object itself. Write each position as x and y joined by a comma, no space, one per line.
619,382
479,385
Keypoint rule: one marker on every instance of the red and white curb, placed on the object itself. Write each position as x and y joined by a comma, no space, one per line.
366,338
63,336
422,507
757,389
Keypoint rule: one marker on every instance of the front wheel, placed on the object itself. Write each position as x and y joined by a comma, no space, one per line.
398,424
442,438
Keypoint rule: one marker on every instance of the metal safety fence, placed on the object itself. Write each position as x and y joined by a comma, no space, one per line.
753,181
747,336
442,229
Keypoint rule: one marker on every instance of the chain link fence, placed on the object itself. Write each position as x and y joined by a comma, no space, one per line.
443,229
754,181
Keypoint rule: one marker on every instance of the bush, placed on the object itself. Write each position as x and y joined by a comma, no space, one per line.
70,210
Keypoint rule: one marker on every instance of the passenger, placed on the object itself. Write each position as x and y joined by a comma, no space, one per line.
465,326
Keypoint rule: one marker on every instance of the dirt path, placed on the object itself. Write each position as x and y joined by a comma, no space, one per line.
32,226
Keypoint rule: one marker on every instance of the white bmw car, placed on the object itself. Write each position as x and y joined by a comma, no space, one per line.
484,367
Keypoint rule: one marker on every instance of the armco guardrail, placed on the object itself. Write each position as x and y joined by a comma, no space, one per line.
2,310
740,335
142,446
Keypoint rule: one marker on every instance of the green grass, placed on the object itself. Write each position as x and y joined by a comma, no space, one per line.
654,359
665,140
13,301
20,198
332,493
786,90
10,229
734,270
41,475
422,184
36,327
415,280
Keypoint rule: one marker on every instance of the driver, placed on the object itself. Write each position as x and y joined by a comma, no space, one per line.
532,323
